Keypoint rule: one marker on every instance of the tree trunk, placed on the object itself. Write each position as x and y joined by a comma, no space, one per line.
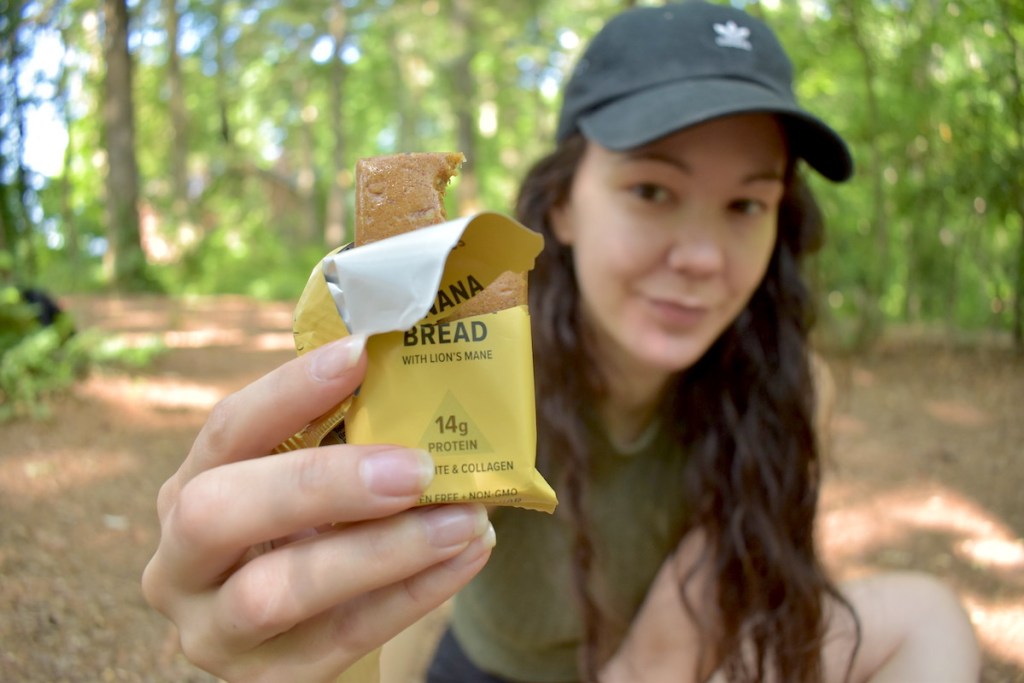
15,224
928,216
28,255
875,281
310,231
126,263
1016,108
179,142
407,94
221,77
9,224
463,98
72,243
8,229
334,225
1018,295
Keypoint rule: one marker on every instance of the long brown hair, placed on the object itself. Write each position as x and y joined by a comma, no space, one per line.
743,414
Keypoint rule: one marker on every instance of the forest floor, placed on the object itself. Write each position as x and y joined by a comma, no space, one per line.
926,473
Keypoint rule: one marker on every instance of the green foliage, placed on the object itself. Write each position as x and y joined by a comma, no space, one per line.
35,361
928,93
38,362
924,233
238,262
40,365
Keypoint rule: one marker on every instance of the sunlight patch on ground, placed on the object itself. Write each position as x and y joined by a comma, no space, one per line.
209,337
957,413
135,320
163,393
843,424
947,511
863,378
889,518
993,552
272,341
35,475
157,313
855,536
203,338
1000,628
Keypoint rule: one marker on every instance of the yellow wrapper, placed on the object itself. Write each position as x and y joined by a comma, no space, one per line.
366,670
460,389
464,391
315,323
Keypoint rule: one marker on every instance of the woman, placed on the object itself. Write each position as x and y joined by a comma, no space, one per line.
675,417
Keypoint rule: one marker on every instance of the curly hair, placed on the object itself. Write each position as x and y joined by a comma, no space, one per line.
743,413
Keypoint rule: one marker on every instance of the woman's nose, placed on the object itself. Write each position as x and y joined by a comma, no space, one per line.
697,250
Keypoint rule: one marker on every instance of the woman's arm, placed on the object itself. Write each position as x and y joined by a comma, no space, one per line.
666,644
913,628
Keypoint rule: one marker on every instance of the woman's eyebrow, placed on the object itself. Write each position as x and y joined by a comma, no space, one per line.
767,175
645,154
760,176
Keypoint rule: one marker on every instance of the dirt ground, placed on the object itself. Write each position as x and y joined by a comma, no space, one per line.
927,468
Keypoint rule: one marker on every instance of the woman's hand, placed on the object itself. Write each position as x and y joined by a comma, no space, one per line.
666,643
293,566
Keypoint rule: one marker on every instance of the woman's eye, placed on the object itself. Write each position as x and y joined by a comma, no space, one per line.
747,207
649,192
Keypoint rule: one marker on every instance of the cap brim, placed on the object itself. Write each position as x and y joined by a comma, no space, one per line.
641,118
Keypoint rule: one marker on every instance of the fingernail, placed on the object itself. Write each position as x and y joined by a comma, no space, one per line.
489,539
449,525
402,472
475,550
330,361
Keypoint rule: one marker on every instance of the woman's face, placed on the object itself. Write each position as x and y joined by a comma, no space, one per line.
670,240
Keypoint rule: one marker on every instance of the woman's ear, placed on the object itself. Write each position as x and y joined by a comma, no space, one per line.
561,223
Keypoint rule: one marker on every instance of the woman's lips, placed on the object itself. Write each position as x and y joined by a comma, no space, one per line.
677,314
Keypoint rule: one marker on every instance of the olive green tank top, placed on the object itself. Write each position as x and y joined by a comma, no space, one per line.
518,619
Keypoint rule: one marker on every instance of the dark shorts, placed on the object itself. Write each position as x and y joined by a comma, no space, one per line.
451,665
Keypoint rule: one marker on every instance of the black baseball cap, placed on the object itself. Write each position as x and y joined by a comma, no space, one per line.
654,70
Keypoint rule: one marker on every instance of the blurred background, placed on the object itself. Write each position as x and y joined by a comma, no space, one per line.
170,171
206,146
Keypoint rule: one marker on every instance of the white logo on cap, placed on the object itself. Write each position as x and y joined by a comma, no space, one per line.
730,34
